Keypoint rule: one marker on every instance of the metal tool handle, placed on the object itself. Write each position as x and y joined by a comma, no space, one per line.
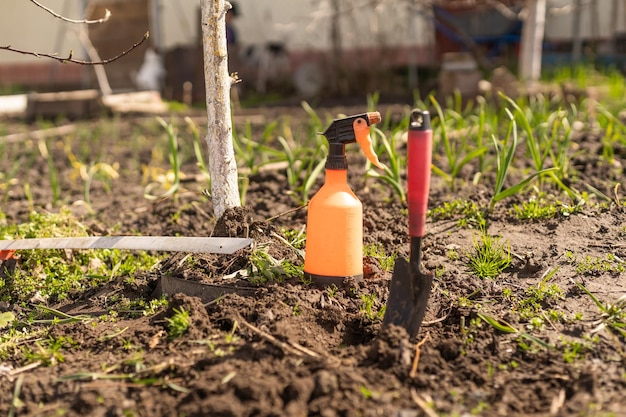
419,159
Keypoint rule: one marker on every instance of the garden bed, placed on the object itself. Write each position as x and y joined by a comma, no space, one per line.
531,340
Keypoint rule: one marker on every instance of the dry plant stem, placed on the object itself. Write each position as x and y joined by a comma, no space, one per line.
422,404
219,138
38,134
107,15
557,403
418,353
16,395
15,372
284,213
76,61
290,348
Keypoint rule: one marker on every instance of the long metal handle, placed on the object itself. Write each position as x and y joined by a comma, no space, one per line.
223,245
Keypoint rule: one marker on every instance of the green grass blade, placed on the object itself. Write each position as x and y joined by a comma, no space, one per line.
517,187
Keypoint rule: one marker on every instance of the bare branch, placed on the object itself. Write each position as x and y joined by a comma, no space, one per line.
107,15
76,61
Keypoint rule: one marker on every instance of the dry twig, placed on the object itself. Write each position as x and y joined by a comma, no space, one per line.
73,60
107,15
416,360
292,348
423,404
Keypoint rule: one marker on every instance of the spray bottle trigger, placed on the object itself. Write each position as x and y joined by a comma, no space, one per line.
362,133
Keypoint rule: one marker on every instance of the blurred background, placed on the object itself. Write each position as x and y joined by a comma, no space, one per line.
286,49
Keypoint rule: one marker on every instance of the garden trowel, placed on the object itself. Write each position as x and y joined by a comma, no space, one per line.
410,286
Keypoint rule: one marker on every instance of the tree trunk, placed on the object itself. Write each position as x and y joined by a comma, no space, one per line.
532,40
222,164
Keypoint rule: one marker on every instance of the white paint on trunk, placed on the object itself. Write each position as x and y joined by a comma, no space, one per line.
222,164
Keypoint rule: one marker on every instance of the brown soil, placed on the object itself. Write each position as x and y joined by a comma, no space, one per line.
290,349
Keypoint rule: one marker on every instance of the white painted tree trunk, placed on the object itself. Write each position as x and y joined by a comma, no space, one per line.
222,164
532,39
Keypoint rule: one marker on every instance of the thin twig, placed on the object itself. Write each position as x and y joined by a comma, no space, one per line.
39,134
284,213
107,15
16,395
73,60
423,404
418,353
293,349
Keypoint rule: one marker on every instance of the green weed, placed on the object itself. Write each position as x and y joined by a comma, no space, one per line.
172,184
458,153
56,273
490,258
179,323
612,315
368,307
536,208
376,250
53,173
264,268
536,297
387,150
469,213
49,351
597,265
505,151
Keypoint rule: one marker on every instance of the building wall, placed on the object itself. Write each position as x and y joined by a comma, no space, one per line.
27,27
560,19
303,24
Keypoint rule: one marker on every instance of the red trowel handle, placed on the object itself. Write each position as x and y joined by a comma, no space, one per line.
419,158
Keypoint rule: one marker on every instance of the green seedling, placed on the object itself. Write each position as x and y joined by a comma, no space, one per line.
49,352
8,178
368,305
198,150
296,238
612,315
59,317
504,157
387,150
551,128
457,154
264,268
331,290
254,153
172,186
490,258
376,250
536,208
53,173
504,327
90,172
595,265
537,296
304,167
470,215
179,323
575,350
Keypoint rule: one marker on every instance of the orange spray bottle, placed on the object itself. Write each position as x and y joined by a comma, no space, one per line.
334,242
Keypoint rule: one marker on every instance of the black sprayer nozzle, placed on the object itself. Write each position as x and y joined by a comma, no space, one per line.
420,120
341,132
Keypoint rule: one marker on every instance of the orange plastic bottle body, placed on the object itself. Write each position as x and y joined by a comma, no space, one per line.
334,244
